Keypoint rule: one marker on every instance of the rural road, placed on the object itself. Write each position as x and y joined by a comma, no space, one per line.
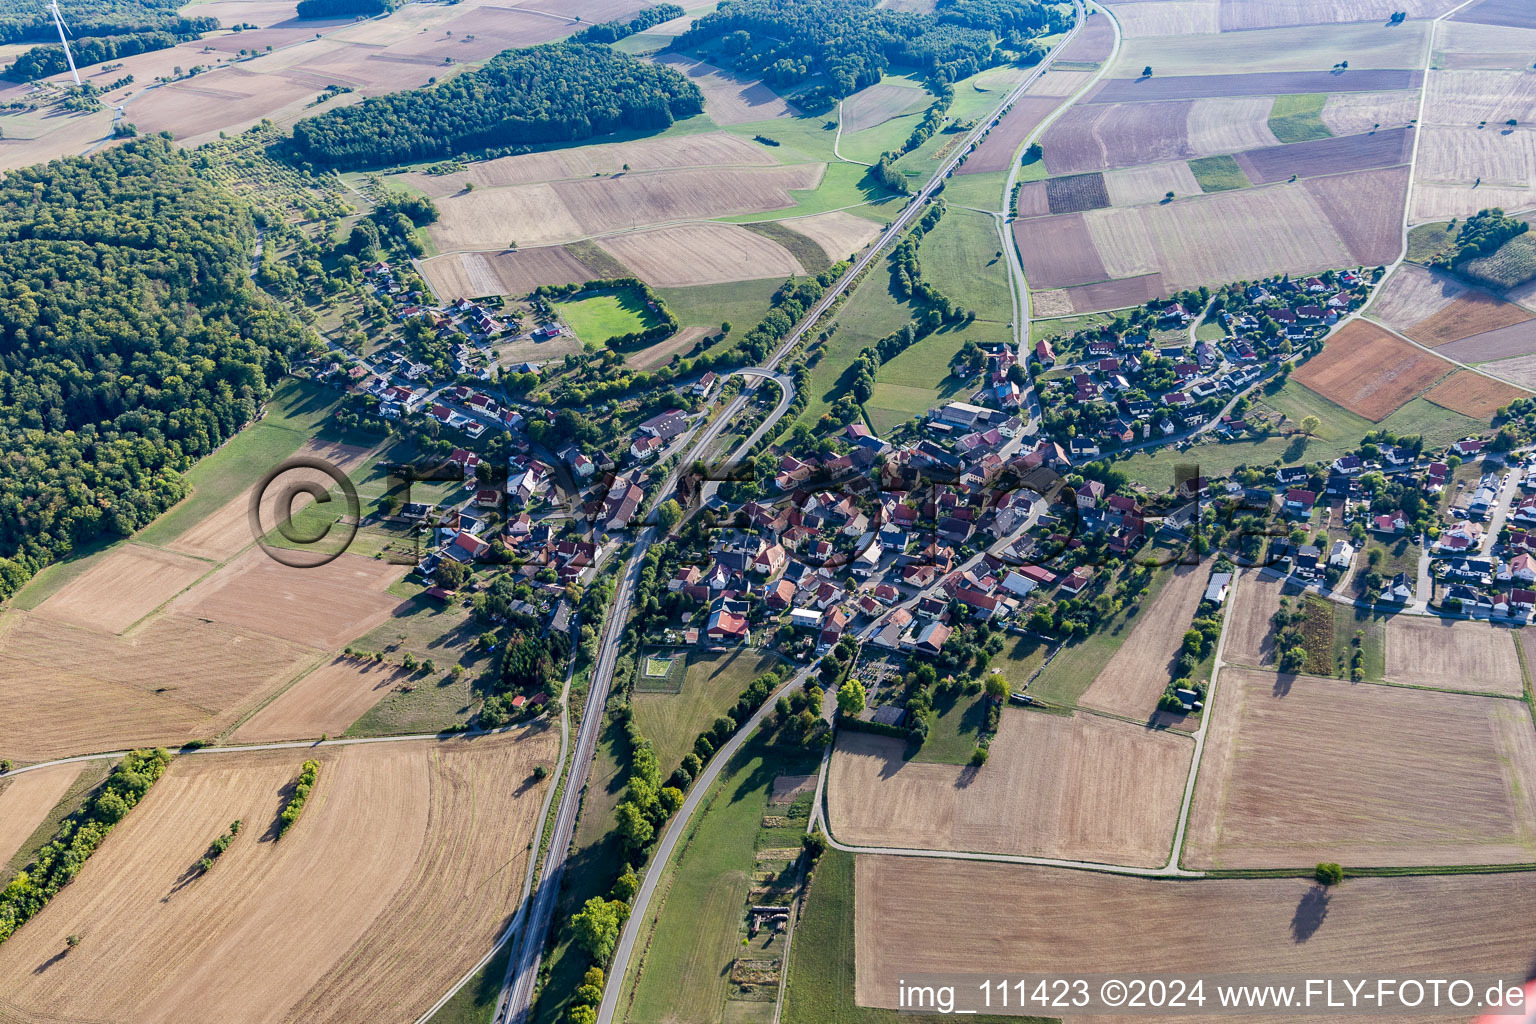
658,866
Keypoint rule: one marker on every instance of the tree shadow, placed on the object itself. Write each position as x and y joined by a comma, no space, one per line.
1310,913
1283,682
43,967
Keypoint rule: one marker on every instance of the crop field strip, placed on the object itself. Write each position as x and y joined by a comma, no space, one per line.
683,255
1076,193
1335,155
1272,50
1370,372
1190,87
1473,313
1135,676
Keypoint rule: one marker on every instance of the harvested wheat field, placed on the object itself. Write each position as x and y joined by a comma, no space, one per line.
1348,113
1413,294
1473,394
1081,922
1520,370
838,233
1135,676
408,855
1503,343
323,607
25,801
693,254
728,97
1299,769
1368,371
1433,201
123,587
1226,124
227,531
1497,156
995,153
1428,651
1134,186
1462,45
325,702
1084,787
564,211
710,149
231,100
1504,13
1273,83
66,690
1473,312
1168,17
1250,637
1275,49
876,104
463,274
1470,97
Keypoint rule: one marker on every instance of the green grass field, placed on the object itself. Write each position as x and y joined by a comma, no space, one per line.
1427,241
894,404
981,191
954,729
698,929
1075,668
819,989
1020,657
1218,174
869,315
743,303
594,318
1067,326
713,683
1297,117
475,1003
810,255
919,379
963,258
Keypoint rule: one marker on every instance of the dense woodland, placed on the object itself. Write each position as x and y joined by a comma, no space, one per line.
42,61
23,21
852,43
343,8
613,31
561,92
131,344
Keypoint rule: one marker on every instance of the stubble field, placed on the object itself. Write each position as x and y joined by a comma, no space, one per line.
408,859
123,587
1300,769
1368,371
1452,655
326,701
1135,676
26,800
1473,394
692,254
469,274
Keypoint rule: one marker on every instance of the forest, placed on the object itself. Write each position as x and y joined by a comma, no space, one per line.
131,344
343,8
23,21
852,43
42,61
613,31
559,92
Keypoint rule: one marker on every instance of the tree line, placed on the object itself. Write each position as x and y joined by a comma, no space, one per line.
556,93
613,31
343,8
300,796
42,61
131,344
23,21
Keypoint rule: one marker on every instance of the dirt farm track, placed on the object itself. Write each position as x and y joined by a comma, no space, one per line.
407,861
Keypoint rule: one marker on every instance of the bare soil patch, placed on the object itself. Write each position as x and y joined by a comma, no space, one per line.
839,233
1366,209
1425,651
693,254
326,701
321,607
1368,371
1032,200
26,800
1414,294
1058,251
1093,43
1084,787
123,587
406,853
1090,298
1504,343
1385,148
1092,137
1135,676
1474,312
464,274
1299,769
66,690
728,97
996,150
1080,922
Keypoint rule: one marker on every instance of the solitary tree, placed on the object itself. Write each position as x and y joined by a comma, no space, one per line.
850,698
1146,72
1310,424
1328,873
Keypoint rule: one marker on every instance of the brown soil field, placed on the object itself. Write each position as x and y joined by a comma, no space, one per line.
1084,787
479,35
977,916
1519,370
1298,48
730,98
1468,98
1504,343
711,149
996,150
407,854
1190,87
1032,200
1366,209
1168,17
1474,395
1229,124
1076,193
66,690
1413,294
227,531
502,273
1299,769
1426,651
692,254
321,607
839,233
230,100
1132,291
878,103
1094,42
1473,312
1135,186
1250,637
1385,148
1349,113
26,800
1135,676
1058,251
1092,137
326,701
1368,371
587,10
1510,13
567,210
123,587
1499,156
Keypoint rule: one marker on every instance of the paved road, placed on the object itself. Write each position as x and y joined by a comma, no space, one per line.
696,795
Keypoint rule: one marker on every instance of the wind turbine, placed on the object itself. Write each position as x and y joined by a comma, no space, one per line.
53,5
